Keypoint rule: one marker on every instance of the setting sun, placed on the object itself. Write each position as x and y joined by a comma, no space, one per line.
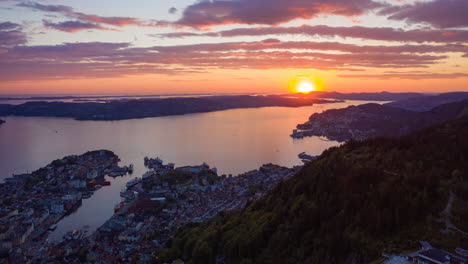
305,86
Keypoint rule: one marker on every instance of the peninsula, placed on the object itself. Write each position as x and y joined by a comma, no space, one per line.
375,120
130,109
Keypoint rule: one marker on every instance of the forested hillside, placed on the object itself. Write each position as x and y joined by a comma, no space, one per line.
348,206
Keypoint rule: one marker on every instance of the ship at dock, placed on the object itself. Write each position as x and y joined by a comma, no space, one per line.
133,182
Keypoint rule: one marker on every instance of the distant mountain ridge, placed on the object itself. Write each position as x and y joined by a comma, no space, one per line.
375,120
427,102
129,109
379,96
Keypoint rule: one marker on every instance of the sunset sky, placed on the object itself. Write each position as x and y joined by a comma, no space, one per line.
231,46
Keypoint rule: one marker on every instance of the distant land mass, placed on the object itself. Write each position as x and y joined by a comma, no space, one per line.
351,205
380,96
375,120
427,102
2,121
129,109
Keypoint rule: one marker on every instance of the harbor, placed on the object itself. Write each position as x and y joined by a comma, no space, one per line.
34,203
155,206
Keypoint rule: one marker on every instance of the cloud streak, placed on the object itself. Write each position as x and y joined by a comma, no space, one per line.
89,60
85,21
380,33
11,34
73,26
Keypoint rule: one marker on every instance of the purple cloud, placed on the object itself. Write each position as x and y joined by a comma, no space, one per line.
11,34
438,13
70,12
270,12
9,26
72,26
77,60
384,34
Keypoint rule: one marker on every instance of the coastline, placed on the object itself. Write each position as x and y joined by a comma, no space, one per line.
144,108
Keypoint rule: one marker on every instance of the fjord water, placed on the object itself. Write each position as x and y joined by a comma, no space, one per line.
234,141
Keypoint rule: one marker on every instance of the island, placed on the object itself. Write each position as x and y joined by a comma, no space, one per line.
2,121
374,120
133,108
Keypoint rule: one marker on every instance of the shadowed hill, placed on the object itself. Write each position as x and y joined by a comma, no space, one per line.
348,206
374,120
381,96
427,102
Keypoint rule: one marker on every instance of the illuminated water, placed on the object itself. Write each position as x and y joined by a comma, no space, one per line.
234,141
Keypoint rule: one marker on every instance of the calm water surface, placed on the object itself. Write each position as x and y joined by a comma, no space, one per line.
234,141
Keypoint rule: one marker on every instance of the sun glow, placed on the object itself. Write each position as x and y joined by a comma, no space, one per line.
305,85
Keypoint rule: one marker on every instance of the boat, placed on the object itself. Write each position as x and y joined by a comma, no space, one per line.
128,195
133,182
116,174
101,183
52,227
147,174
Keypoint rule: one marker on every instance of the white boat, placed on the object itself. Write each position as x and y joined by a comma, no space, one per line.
132,182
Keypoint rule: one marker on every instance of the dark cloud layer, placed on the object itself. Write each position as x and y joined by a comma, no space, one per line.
381,33
438,13
11,34
76,60
270,12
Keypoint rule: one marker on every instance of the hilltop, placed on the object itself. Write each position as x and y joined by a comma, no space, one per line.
427,102
350,205
379,96
375,120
